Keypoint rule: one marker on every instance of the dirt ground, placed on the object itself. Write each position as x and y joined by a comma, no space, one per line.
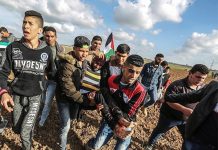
46,138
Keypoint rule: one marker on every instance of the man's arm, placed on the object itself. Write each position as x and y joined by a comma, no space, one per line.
185,110
4,73
105,74
160,79
191,97
67,84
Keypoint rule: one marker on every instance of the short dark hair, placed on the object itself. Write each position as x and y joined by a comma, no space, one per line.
80,41
3,29
199,68
96,38
123,48
135,60
160,55
49,28
164,63
167,68
44,29
35,14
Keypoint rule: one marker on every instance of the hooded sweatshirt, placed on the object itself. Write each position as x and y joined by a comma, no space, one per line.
29,67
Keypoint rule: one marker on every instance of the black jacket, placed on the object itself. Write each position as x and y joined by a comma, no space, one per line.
208,97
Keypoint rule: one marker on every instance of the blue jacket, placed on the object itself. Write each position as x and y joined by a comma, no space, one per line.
151,77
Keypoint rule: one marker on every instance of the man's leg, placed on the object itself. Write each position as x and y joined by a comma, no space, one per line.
181,128
164,124
29,121
50,93
103,136
123,144
17,114
153,97
64,112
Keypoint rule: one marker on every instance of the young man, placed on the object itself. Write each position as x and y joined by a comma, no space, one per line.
113,66
70,73
6,36
50,37
95,48
151,78
29,59
202,125
176,114
124,95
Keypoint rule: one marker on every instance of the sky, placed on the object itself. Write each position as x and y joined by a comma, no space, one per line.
185,31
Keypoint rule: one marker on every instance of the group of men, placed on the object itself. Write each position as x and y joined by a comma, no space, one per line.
83,79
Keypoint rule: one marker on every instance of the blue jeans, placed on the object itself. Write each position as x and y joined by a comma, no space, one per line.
50,93
191,145
64,112
164,124
104,135
153,96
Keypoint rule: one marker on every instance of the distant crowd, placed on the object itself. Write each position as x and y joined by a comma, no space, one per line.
36,70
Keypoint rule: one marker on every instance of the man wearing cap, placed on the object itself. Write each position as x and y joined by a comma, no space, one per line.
29,59
69,78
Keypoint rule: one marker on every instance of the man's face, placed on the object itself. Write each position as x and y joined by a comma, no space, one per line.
121,58
96,45
158,60
4,34
31,28
196,78
50,38
131,73
81,53
96,65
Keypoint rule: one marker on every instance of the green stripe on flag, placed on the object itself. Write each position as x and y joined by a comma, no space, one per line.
109,54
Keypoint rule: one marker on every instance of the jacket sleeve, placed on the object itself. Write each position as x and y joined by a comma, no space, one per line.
191,97
67,83
51,68
160,79
6,68
142,73
105,74
109,107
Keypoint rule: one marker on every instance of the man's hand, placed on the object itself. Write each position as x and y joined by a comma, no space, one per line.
6,98
99,107
122,132
91,97
159,102
124,122
187,111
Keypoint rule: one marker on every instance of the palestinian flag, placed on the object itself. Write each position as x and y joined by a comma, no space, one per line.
3,46
109,47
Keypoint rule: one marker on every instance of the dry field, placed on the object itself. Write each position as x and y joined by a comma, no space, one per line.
46,138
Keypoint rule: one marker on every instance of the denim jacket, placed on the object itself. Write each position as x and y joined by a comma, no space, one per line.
151,77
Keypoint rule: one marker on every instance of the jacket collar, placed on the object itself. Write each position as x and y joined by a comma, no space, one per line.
130,86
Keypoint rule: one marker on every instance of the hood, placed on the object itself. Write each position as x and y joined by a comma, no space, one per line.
67,57
42,44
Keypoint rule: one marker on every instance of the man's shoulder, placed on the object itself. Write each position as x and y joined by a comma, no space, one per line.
179,82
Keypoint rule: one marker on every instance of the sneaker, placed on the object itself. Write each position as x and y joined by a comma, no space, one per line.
144,110
149,147
87,147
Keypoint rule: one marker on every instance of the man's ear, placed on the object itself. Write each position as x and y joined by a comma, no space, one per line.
40,31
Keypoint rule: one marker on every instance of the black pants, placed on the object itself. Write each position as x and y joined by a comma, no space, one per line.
24,117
